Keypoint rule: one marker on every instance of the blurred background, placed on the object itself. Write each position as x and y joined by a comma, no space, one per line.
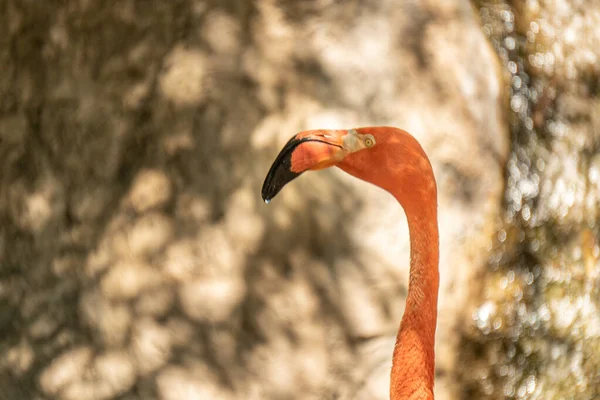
137,260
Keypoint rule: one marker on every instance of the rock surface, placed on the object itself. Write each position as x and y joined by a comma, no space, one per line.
136,258
536,330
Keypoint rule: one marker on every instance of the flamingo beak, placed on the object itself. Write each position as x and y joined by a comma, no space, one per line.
309,150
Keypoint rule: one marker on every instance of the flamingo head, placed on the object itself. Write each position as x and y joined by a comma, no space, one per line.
384,156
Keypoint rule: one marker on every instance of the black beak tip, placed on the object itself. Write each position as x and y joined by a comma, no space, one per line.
280,173
266,194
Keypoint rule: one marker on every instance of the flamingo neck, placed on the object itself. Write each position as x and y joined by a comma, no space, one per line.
413,361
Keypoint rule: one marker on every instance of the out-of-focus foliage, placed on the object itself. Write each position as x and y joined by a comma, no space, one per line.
136,258
537,333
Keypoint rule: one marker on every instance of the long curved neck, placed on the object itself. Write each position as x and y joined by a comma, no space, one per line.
413,361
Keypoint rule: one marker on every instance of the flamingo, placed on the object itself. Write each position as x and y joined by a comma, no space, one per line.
395,161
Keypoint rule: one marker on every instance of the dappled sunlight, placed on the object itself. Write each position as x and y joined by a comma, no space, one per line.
19,358
137,259
193,208
149,234
34,209
65,370
110,320
151,345
360,304
80,373
271,54
178,142
182,81
289,305
181,262
150,189
332,118
285,366
112,373
155,303
244,227
129,279
211,300
175,383
222,32
370,38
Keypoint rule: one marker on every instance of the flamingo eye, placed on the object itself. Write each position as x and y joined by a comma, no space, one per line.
369,141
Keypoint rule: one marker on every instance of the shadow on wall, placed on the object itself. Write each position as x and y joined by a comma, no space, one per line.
136,258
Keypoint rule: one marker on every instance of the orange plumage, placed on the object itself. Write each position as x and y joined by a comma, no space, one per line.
393,160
